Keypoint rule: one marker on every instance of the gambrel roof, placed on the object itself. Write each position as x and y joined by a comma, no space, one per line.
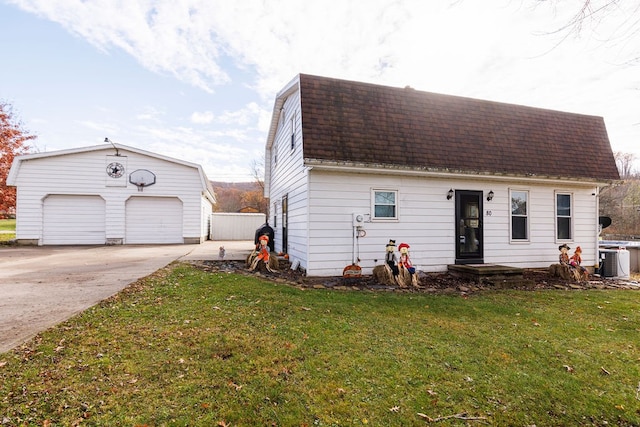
352,123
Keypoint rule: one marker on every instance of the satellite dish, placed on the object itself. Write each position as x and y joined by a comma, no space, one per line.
142,178
604,221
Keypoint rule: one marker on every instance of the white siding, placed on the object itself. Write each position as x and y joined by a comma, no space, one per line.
153,220
84,172
426,222
289,178
73,219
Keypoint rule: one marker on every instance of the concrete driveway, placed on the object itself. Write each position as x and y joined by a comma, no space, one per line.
42,286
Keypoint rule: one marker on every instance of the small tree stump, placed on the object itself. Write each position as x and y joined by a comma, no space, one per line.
384,275
261,266
567,272
406,279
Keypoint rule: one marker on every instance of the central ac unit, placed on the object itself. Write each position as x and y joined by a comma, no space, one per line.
610,262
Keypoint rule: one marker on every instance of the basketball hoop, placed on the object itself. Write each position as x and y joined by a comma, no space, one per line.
142,178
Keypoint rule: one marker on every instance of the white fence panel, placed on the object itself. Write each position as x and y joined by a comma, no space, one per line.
235,226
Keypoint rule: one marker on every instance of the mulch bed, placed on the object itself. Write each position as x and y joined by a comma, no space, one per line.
443,283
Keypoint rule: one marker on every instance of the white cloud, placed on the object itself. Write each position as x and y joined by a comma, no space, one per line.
204,117
495,49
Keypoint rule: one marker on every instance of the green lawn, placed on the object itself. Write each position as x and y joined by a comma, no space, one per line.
7,225
187,347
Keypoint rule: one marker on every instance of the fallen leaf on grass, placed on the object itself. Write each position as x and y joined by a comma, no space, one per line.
236,386
604,371
425,416
568,368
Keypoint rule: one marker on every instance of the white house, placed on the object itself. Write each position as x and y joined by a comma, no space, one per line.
351,165
109,194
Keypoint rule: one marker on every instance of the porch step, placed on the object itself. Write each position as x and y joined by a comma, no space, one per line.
499,276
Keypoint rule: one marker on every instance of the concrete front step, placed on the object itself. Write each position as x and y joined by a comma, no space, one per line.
499,276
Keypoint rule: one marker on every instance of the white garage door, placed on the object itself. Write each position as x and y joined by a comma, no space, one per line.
73,220
154,220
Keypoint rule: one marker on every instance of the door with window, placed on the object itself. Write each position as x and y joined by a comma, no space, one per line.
469,236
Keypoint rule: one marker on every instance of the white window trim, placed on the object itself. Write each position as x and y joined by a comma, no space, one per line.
528,216
571,217
373,205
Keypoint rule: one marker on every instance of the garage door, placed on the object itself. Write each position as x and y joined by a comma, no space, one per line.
154,220
73,220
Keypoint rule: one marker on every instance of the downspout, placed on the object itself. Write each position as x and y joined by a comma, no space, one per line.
597,213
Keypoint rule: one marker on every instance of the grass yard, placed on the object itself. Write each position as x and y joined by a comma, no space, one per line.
7,225
7,229
186,347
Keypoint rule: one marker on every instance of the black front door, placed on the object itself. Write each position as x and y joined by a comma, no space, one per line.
469,236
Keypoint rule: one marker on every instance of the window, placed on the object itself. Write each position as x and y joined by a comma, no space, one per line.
275,214
293,131
385,204
519,215
563,216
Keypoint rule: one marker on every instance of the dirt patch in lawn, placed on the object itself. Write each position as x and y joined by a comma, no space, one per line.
444,283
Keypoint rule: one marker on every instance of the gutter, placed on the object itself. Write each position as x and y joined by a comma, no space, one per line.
388,169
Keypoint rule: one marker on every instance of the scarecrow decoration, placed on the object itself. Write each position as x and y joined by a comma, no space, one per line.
564,254
261,253
394,272
569,268
387,273
579,271
390,257
407,274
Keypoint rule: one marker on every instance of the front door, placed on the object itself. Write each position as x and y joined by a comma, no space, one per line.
469,236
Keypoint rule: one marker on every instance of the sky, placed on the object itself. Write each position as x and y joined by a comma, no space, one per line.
196,79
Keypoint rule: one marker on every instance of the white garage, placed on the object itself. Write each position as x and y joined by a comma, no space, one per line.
109,194
164,225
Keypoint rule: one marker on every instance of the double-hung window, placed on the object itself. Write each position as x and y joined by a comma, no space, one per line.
563,216
385,204
519,215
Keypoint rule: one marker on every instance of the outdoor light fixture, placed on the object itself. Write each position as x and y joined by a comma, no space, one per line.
490,196
450,194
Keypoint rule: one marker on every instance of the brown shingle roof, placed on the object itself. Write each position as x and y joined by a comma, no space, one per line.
354,122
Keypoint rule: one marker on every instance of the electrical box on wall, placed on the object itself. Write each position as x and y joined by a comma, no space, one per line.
359,219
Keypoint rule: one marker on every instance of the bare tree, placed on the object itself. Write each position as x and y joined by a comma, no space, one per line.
592,13
624,162
257,171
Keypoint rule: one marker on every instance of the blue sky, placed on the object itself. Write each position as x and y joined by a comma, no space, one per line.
196,79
